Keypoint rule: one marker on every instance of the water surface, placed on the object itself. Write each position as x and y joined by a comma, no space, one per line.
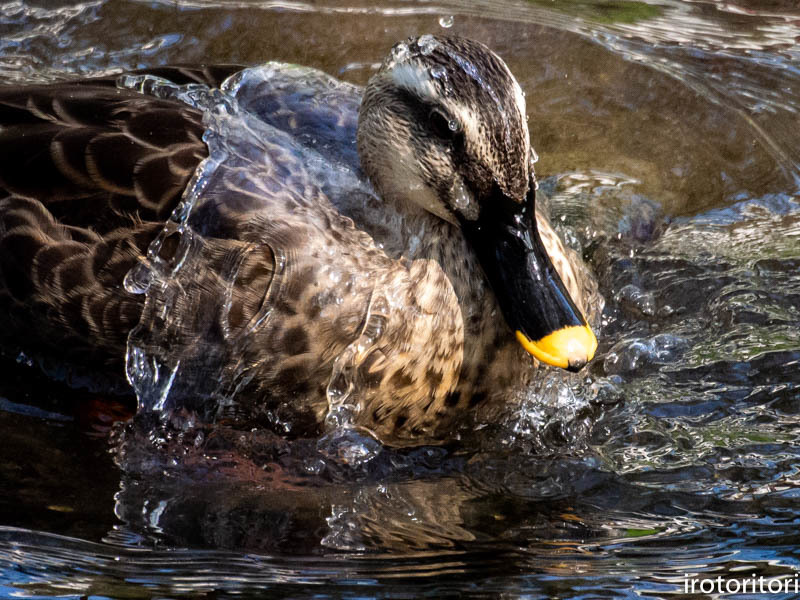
667,137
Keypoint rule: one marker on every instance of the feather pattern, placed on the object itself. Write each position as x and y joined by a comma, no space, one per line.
90,174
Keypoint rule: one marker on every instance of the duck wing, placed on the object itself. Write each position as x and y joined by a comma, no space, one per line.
320,112
269,291
89,174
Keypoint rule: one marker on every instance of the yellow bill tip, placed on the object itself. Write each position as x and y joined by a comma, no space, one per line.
567,348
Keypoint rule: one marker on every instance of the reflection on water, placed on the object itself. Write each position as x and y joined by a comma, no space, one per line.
668,134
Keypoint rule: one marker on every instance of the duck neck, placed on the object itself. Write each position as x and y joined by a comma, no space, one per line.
429,237
489,344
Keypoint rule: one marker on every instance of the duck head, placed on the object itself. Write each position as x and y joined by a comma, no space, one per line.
443,125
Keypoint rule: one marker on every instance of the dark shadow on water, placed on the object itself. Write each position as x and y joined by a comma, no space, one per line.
669,133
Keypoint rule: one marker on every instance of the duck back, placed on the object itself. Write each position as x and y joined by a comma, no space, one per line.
231,281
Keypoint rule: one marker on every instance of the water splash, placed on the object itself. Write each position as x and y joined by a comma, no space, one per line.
688,449
190,349
399,54
345,441
427,44
174,352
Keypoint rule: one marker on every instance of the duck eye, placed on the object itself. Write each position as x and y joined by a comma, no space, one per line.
444,127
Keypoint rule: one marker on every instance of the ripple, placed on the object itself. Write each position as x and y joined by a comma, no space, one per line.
676,454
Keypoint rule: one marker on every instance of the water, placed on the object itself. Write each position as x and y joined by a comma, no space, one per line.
668,149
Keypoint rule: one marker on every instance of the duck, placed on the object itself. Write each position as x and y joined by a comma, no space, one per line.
377,249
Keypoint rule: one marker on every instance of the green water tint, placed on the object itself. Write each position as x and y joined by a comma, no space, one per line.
637,533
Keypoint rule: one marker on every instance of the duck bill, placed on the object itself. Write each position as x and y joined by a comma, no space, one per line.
532,297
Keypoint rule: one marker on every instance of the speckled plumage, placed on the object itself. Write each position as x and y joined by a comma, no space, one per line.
380,293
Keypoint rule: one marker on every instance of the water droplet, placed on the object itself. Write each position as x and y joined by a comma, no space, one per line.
150,378
399,52
427,44
349,446
314,466
637,300
24,359
446,21
462,198
630,355
439,72
138,279
453,125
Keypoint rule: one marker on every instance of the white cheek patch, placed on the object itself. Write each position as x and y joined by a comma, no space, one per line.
403,180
